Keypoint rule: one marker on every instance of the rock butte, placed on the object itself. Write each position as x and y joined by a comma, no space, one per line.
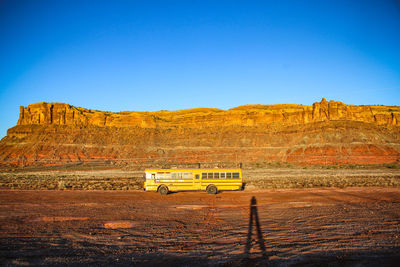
324,133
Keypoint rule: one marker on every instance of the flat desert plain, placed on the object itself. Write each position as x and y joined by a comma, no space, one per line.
255,227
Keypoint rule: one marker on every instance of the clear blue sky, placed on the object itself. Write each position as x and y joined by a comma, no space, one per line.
152,55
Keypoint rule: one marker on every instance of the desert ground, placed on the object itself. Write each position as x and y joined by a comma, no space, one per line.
348,226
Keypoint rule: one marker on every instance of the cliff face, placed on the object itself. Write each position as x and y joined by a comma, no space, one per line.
249,115
324,133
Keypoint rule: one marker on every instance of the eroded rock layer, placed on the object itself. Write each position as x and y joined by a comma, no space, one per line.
324,133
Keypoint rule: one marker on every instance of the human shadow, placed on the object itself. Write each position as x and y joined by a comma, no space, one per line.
253,219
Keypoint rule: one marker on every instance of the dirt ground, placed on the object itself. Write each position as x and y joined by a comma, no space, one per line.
353,226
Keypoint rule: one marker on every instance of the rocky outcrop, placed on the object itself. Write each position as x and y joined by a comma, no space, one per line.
324,133
249,115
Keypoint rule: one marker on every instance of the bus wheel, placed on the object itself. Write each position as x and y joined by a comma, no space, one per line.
212,189
163,190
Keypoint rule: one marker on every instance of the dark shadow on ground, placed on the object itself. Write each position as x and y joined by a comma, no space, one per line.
16,251
254,220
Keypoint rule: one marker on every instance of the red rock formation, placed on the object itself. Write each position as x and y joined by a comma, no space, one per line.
248,115
324,133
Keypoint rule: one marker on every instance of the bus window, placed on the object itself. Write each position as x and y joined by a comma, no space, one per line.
160,175
210,175
173,175
216,175
222,174
197,176
235,175
203,175
228,175
187,175
153,176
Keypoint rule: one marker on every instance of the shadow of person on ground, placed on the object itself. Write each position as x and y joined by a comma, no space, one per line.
253,219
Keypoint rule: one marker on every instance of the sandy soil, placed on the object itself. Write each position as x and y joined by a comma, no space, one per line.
289,227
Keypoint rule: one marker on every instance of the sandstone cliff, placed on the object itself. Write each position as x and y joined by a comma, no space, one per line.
324,133
248,115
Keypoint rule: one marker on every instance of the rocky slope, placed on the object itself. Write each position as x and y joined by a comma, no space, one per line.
324,133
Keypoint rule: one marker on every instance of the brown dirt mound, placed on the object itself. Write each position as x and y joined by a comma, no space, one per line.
118,225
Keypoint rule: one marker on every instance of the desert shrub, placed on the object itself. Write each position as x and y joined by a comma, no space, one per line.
61,185
393,165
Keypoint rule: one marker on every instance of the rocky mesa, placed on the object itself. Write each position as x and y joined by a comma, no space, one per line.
324,133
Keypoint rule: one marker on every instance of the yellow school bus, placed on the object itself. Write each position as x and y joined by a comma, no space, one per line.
210,180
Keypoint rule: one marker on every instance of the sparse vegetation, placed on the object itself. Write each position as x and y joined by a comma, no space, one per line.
288,176
291,165
328,177
311,182
54,181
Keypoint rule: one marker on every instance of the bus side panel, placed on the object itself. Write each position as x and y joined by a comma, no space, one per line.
228,184
178,185
150,186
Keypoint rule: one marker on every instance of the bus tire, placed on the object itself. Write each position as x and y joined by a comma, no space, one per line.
163,190
212,189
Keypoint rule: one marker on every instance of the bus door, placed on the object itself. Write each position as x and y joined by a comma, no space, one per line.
196,181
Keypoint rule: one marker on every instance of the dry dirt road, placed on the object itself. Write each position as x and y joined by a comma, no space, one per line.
354,226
